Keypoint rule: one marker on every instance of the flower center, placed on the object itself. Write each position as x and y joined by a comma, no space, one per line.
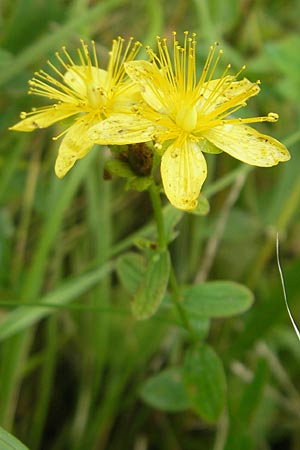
186,118
95,95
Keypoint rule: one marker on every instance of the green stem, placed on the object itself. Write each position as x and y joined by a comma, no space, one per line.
159,218
163,244
176,297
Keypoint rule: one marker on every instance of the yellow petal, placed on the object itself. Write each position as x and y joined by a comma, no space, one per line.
125,98
247,145
217,92
75,145
120,129
150,80
183,171
78,78
236,88
45,117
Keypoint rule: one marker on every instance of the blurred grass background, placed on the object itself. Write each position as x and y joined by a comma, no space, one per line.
70,374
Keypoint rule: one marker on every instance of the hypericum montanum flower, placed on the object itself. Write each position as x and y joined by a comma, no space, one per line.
189,114
84,91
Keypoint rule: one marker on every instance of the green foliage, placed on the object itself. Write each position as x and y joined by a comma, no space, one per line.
166,391
286,60
146,279
131,269
22,317
208,147
199,385
119,168
122,169
251,397
202,208
216,299
9,442
243,428
205,381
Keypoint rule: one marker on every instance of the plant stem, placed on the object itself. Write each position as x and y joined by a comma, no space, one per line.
176,298
159,218
163,244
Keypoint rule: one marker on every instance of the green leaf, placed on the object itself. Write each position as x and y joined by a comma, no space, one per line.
118,149
209,147
153,287
139,184
200,327
205,381
122,169
131,269
119,168
172,216
202,207
216,299
9,442
166,391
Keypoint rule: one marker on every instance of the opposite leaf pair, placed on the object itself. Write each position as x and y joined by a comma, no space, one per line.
161,100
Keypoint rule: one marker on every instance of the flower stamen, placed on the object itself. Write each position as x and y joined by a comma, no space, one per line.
80,88
189,116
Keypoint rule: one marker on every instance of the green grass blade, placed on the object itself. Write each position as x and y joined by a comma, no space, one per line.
23,317
45,44
9,442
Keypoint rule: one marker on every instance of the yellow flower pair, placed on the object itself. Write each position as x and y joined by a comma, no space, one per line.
160,100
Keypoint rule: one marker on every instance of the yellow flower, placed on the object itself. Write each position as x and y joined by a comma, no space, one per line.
190,114
84,91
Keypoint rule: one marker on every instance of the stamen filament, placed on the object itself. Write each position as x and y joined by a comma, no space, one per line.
271,117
